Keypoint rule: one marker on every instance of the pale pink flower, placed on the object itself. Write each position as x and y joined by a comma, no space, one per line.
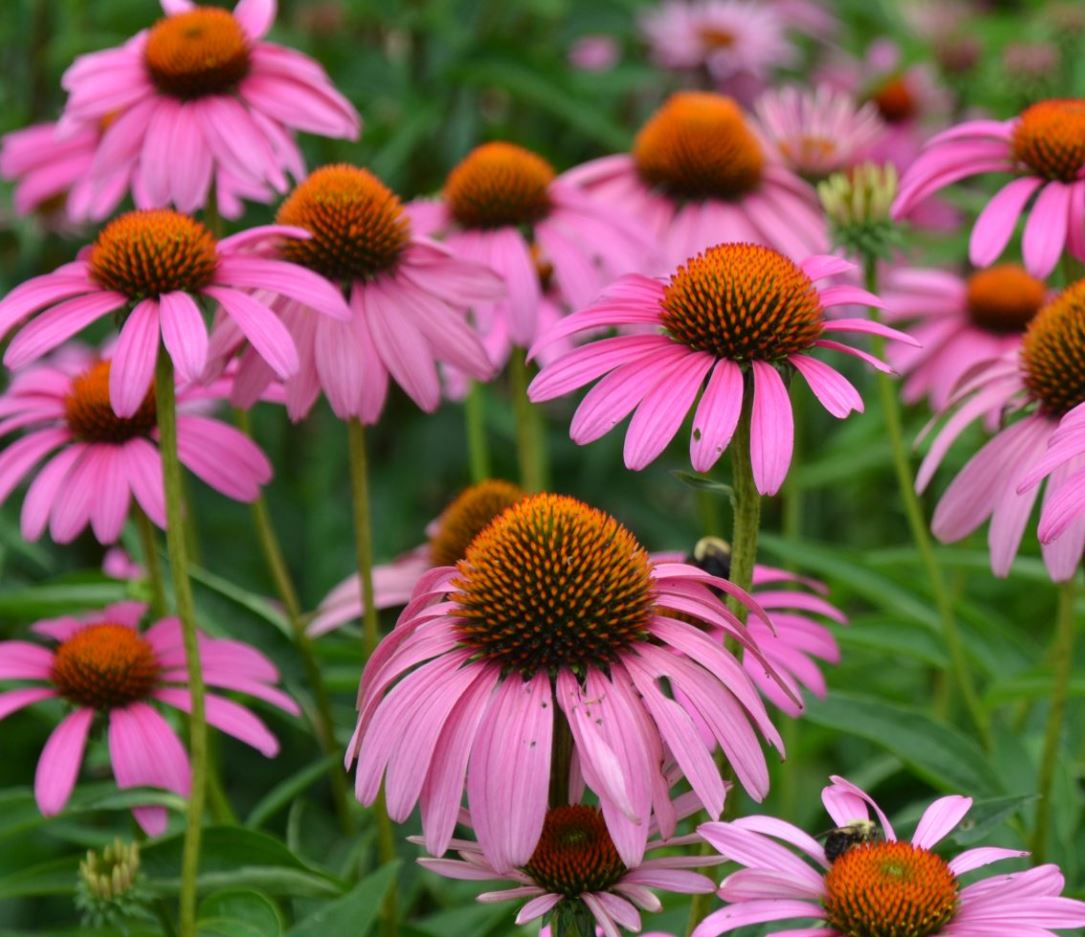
104,665
1065,508
1042,148
199,92
733,315
408,298
699,175
594,53
575,863
556,605
96,462
883,886
959,322
157,266
1031,391
817,132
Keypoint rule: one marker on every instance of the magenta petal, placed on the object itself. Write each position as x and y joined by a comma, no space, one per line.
261,327
59,763
184,333
14,700
660,414
940,819
1045,230
58,324
255,17
22,660
994,226
772,433
286,279
836,392
133,360
227,716
222,456
717,415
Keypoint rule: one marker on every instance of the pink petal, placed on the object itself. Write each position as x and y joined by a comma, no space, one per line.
56,325
255,17
402,348
661,413
222,456
228,717
1045,230
133,362
21,660
717,415
14,700
771,431
286,279
836,393
261,327
940,819
58,766
184,333
995,225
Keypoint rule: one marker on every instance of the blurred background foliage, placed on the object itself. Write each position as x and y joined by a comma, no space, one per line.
433,78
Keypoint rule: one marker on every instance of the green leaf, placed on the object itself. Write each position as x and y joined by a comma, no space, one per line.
1028,687
61,597
238,912
236,857
286,790
893,639
988,815
258,604
702,483
56,877
352,914
944,757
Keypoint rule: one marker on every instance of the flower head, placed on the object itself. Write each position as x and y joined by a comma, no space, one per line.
1044,149
105,666
575,871
1035,392
735,315
153,268
879,886
699,174
169,94
556,613
96,462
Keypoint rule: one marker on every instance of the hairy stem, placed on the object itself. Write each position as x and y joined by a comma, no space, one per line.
151,562
529,429
478,449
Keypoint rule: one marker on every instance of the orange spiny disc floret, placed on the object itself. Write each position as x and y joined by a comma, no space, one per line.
105,666
1004,299
889,890
715,37
499,184
698,146
203,51
1049,138
90,415
895,101
575,853
553,583
743,302
358,225
467,516
146,253
1053,351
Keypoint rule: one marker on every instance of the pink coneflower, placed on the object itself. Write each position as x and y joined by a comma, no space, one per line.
880,887
735,315
104,665
576,865
958,321
408,300
1044,148
199,92
96,461
1042,384
817,132
159,265
594,53
505,207
556,619
739,43
1066,455
699,175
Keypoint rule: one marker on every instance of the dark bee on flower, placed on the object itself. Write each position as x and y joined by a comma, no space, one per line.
855,833
713,555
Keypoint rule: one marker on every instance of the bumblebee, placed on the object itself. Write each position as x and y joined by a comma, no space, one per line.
713,555
855,833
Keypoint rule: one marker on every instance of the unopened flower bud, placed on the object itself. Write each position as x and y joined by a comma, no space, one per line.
110,884
857,205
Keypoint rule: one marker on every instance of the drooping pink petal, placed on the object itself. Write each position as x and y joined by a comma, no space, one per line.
255,17
836,393
23,454
995,224
772,433
58,324
14,700
227,716
661,413
43,493
717,415
222,456
1045,230
58,766
845,802
21,660
286,279
133,361
261,327
184,333
940,819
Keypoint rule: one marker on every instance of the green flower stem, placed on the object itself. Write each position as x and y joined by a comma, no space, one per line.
166,404
218,801
1062,650
917,522
151,562
478,449
708,508
272,550
561,762
529,429
363,534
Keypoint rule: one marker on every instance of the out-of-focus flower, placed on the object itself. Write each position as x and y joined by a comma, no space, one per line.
575,872
857,204
104,665
1031,69
408,302
817,132
198,92
735,315
1044,148
556,608
96,461
959,321
119,565
1041,384
699,175
156,266
596,53
879,885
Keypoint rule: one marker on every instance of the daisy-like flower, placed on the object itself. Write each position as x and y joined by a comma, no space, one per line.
201,91
958,321
739,43
556,615
155,266
104,665
883,887
1041,384
575,864
1044,149
699,175
817,132
408,299
505,207
735,315
96,461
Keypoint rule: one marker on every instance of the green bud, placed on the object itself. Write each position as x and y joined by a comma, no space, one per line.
110,885
857,204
